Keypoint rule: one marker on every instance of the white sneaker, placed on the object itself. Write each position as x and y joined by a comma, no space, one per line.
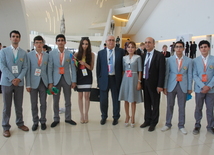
165,128
183,130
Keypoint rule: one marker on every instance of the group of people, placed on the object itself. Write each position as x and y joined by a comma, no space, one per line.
124,74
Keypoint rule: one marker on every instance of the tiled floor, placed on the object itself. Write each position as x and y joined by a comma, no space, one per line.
96,139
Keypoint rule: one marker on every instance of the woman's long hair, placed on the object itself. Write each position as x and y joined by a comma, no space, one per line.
88,51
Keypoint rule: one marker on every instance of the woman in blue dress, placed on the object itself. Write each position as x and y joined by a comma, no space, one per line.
130,90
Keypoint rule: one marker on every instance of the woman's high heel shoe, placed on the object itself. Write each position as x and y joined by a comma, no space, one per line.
126,124
132,125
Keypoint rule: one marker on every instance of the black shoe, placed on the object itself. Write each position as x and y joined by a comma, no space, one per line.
151,128
71,122
54,124
34,127
103,121
211,130
196,130
43,126
115,122
144,125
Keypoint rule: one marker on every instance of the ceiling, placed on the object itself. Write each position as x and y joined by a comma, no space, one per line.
44,16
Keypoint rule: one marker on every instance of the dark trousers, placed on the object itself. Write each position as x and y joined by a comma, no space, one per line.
151,104
104,99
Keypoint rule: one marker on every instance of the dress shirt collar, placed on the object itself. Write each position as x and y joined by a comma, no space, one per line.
14,48
205,58
178,57
59,50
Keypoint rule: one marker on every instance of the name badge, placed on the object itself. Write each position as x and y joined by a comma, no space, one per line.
84,72
15,69
61,70
204,78
128,73
109,68
179,77
82,67
37,72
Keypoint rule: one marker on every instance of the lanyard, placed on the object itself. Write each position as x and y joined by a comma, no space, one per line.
110,56
179,64
205,66
39,57
61,56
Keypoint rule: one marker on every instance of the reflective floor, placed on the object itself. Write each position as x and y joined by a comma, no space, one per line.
96,139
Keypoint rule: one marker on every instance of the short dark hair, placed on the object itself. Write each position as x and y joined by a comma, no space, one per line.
16,32
179,42
45,46
0,43
60,36
204,42
38,38
104,44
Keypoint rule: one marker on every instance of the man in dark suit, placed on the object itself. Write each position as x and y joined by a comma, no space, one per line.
109,76
165,52
194,49
153,82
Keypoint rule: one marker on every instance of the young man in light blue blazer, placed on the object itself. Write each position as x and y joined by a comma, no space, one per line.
61,74
13,64
178,82
37,82
203,74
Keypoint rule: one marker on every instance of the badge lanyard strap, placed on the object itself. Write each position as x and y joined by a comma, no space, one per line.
61,56
179,64
39,57
205,66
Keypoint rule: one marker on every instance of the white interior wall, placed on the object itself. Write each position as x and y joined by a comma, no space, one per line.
13,17
172,18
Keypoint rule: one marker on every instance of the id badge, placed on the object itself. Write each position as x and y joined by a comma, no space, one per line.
179,77
128,73
15,69
37,72
82,67
61,70
109,68
204,78
84,72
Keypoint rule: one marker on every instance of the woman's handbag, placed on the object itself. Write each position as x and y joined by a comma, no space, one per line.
95,95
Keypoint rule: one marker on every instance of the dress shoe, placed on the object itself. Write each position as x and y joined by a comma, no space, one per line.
115,122
144,125
71,122
151,128
196,130
211,130
6,133
23,128
103,121
165,128
54,124
34,127
183,130
43,126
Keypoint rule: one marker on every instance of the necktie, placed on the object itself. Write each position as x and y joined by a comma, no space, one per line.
147,67
111,61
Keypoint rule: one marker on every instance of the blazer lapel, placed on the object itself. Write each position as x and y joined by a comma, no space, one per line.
153,58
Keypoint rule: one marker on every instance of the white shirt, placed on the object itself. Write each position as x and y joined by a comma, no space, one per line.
108,56
63,56
205,59
146,60
15,52
178,61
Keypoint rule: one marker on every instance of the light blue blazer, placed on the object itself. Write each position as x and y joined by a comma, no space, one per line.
53,68
199,70
6,63
172,71
32,80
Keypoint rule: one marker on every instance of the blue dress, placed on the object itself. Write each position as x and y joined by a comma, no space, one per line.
128,88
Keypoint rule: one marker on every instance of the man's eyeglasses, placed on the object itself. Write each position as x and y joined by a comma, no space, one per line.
179,47
60,40
111,40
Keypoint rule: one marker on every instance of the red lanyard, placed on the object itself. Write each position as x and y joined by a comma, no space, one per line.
179,65
39,57
61,57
